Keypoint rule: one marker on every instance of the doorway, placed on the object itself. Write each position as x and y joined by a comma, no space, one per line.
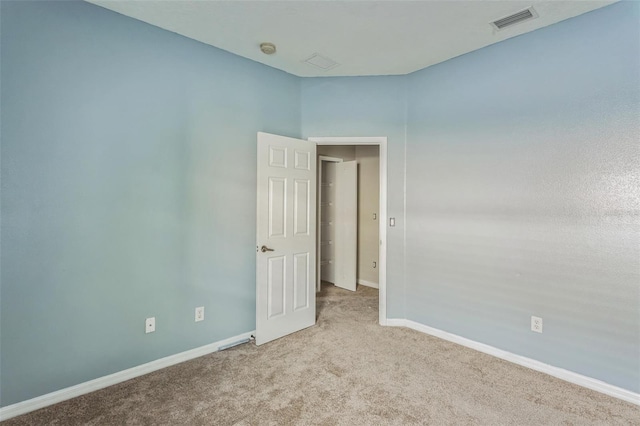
342,149
286,231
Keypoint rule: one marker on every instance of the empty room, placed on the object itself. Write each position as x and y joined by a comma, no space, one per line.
319,212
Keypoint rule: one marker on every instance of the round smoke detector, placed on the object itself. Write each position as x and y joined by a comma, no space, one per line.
268,48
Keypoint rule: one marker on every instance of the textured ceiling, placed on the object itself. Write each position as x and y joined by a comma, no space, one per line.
364,37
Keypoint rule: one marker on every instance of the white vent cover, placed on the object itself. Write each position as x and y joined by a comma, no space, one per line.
321,62
516,18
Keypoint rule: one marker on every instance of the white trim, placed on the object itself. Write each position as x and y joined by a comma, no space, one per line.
332,159
381,141
367,283
560,373
42,401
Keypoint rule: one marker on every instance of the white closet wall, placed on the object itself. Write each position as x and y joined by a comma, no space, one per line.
368,158
327,222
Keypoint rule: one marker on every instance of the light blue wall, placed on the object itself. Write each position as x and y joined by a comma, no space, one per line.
128,191
367,106
523,195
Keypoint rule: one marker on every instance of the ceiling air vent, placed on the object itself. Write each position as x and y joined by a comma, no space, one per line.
516,18
321,62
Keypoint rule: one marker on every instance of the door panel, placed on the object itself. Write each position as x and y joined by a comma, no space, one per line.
302,160
301,205
277,270
300,281
286,227
278,156
277,207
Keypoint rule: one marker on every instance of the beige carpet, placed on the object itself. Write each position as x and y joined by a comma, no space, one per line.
346,370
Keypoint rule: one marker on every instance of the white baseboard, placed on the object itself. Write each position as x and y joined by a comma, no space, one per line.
102,382
560,373
367,283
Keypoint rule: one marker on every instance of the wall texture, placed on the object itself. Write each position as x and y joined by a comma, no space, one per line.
523,195
128,191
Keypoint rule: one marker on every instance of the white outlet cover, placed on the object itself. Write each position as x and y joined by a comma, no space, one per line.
200,314
150,325
536,324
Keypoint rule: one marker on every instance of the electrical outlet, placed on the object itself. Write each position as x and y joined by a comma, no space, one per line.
536,324
200,314
150,325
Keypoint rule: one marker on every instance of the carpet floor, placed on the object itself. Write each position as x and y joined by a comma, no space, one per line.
346,370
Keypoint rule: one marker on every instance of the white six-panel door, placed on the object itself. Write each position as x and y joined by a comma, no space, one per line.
286,236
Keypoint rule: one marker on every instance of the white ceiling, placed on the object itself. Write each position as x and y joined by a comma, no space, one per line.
364,37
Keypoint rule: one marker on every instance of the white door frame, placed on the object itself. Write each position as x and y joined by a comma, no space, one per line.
321,158
381,141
